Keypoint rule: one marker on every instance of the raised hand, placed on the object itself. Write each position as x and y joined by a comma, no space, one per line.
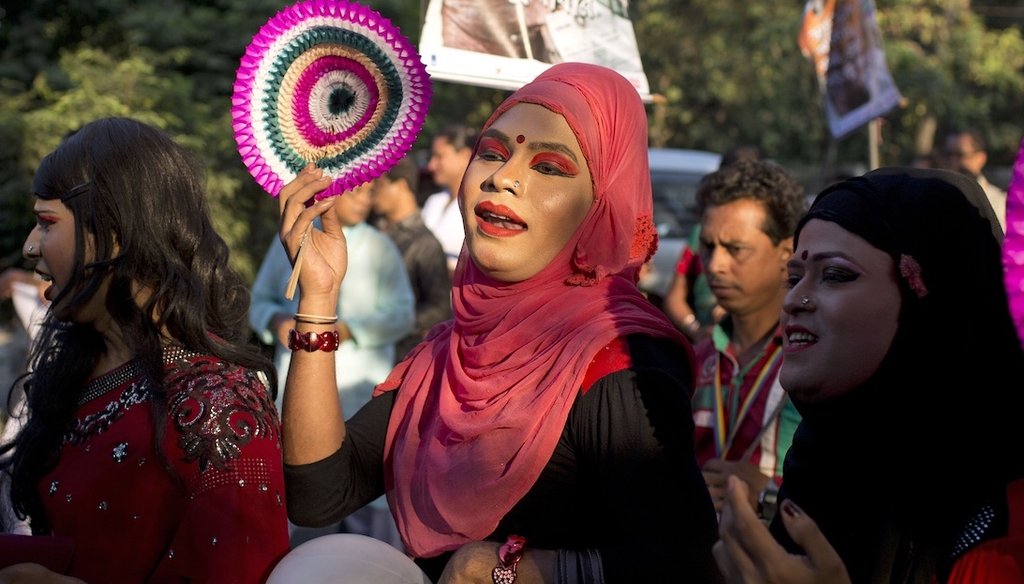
747,553
717,472
325,258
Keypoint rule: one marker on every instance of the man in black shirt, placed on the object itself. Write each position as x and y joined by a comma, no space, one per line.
394,200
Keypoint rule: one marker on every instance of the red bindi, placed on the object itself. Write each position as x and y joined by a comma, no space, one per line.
520,139
803,256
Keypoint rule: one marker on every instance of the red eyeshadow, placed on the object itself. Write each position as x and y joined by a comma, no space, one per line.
561,162
493,145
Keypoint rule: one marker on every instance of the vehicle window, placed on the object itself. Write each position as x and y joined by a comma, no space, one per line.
675,203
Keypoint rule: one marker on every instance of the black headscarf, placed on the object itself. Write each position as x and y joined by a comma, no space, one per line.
893,469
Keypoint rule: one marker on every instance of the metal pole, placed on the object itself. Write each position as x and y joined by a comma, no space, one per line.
874,132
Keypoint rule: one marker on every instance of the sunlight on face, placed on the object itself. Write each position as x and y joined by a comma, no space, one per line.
525,193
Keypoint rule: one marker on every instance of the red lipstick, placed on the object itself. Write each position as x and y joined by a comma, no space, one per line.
498,220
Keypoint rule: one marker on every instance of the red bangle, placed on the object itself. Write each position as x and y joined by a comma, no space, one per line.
326,341
509,555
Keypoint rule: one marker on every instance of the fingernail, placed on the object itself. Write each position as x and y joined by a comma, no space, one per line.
790,508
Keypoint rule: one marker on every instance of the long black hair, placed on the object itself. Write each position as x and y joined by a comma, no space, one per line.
139,206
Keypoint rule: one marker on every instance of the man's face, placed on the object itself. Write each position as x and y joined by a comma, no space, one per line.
384,195
353,206
745,269
447,164
960,153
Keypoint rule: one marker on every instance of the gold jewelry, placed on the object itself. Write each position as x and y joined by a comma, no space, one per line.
315,318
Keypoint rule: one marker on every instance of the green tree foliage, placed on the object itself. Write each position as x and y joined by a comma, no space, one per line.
954,73
168,63
729,72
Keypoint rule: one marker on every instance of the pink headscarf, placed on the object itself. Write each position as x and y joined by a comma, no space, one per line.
483,401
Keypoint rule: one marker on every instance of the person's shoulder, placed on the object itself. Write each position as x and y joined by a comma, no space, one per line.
657,372
439,198
640,356
657,353
423,236
990,189
198,373
217,407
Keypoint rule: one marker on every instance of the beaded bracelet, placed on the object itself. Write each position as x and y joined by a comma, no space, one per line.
508,559
315,319
326,341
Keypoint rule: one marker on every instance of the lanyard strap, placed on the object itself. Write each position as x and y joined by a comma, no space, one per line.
725,433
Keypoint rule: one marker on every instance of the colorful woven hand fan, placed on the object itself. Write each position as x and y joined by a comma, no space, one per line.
1013,246
329,82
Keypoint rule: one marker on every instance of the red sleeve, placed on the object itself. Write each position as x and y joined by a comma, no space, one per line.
685,261
997,560
612,358
223,437
695,268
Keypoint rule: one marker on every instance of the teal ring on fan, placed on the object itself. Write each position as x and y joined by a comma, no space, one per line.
346,38
267,130
307,88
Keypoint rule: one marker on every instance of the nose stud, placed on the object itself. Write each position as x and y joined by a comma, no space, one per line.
515,185
804,301
30,248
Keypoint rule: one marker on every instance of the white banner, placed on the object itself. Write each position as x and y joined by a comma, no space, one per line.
507,43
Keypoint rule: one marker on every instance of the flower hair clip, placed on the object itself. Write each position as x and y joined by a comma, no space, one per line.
912,273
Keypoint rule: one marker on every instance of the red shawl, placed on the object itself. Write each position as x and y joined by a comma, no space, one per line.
484,400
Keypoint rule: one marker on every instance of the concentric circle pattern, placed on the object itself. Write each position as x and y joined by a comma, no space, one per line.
329,82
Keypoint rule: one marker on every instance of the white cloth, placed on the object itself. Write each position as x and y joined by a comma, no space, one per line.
442,217
346,558
996,198
9,521
376,304
31,311
30,308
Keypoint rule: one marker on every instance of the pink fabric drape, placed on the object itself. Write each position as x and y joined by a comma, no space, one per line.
481,404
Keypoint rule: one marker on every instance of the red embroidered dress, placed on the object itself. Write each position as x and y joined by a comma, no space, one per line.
219,517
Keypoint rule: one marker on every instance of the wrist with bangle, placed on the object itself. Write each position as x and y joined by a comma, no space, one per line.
311,341
691,324
315,318
768,502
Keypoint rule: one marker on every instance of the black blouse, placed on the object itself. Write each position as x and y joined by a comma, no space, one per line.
623,479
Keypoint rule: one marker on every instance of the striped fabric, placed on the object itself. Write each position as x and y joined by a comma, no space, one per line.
768,418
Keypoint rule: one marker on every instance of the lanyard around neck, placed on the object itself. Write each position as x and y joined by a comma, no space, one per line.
725,433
